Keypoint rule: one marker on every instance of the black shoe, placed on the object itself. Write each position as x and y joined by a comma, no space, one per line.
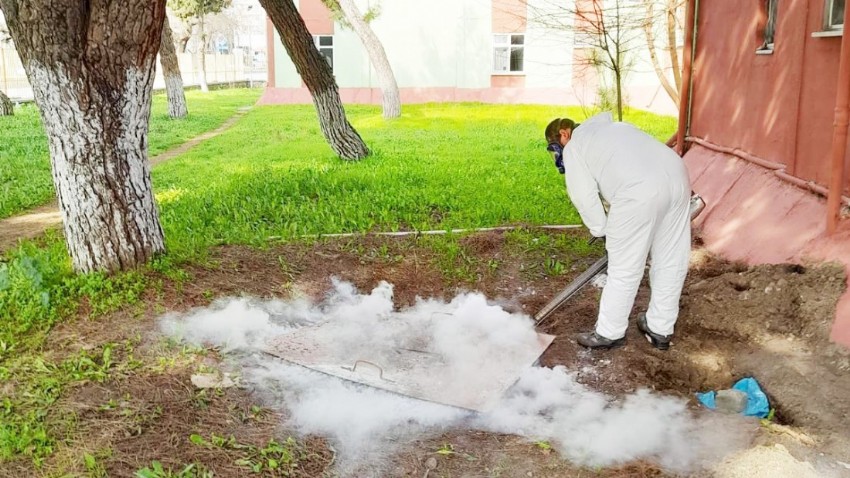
661,342
594,341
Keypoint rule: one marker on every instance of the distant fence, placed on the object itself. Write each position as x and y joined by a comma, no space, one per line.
221,69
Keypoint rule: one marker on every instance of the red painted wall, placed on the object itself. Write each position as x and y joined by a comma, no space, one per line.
317,17
779,107
507,81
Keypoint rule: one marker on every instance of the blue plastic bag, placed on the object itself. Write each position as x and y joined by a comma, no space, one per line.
757,403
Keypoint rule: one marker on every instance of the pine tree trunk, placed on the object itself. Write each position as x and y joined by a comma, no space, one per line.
317,75
171,72
204,87
91,67
391,102
6,106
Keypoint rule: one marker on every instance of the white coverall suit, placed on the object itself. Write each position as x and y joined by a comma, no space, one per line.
647,187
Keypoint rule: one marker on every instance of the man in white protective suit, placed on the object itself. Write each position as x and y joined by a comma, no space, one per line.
647,188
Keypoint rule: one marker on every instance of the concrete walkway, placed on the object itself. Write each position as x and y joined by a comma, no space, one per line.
33,223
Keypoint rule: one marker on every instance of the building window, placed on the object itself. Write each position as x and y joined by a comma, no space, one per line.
509,53
834,14
770,7
325,45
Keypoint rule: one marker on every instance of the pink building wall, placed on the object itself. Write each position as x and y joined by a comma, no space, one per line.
780,108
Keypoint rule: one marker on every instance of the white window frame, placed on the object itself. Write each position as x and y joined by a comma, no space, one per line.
317,39
829,23
506,43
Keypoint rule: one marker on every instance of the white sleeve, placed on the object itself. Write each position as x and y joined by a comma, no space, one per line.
584,193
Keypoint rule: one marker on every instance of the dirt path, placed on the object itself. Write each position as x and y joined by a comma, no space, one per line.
35,222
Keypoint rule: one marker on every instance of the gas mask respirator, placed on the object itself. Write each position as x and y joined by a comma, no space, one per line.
558,155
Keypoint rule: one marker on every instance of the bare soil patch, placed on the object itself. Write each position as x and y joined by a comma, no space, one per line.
769,322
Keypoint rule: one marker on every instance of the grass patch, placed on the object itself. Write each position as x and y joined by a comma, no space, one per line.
25,179
439,166
157,470
38,288
551,255
36,383
454,260
273,458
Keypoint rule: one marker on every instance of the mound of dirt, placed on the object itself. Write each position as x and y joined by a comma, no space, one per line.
770,322
768,301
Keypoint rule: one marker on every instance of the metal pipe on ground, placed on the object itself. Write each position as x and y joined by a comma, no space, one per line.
555,227
736,152
777,168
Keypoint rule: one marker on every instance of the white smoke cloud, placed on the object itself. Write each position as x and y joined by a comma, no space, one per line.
239,323
589,428
366,425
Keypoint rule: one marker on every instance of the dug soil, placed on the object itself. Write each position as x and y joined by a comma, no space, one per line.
770,322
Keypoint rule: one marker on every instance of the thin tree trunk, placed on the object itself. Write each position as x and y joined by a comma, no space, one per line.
91,67
391,100
672,6
6,106
317,75
619,79
204,87
649,29
171,72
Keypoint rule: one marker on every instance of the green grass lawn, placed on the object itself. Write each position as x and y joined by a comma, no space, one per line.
273,175
25,179
439,166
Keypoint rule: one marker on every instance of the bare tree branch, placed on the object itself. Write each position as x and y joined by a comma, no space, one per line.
613,31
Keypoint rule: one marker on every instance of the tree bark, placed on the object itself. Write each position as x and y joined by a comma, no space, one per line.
672,6
204,87
649,29
171,72
6,106
391,101
91,67
618,77
317,75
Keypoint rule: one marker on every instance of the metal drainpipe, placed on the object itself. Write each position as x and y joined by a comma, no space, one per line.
839,134
688,54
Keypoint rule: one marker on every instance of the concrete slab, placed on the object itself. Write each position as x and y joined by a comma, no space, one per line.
475,383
